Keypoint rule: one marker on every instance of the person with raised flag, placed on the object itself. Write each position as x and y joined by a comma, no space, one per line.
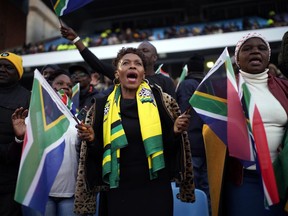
149,50
56,177
263,95
61,195
12,97
268,95
245,132
134,146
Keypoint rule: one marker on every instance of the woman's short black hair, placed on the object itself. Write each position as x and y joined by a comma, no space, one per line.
128,50
57,73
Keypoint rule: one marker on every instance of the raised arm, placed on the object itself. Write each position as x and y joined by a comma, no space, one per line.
90,58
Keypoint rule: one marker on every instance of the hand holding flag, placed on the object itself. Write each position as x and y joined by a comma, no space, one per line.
217,100
43,148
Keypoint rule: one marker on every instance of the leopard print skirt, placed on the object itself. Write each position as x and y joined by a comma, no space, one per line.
186,177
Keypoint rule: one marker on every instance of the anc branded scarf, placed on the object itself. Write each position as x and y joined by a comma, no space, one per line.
114,135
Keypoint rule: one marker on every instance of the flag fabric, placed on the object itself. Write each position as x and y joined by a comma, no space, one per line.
217,101
182,76
62,7
158,69
210,99
264,162
161,71
73,103
229,111
76,96
67,101
237,124
281,167
215,151
43,148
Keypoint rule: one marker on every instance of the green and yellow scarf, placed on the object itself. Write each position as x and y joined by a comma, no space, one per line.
114,135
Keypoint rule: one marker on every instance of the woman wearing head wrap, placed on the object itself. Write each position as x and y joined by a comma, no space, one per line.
245,189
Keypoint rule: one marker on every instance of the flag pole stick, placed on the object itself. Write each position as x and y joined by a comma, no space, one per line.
60,21
187,110
75,118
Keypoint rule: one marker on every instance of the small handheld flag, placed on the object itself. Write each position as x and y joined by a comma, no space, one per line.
158,69
62,7
182,76
230,112
43,148
161,71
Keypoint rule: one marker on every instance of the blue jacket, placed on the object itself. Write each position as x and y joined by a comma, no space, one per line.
183,94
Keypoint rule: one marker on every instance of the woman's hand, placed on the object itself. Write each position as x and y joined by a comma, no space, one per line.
68,33
181,123
18,122
85,132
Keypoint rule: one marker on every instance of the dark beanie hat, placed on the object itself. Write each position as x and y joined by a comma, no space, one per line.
78,67
57,73
53,66
196,63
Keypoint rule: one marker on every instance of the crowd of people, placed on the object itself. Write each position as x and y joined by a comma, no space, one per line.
129,35
140,133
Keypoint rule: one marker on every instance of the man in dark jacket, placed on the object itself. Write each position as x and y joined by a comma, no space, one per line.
283,55
12,96
184,92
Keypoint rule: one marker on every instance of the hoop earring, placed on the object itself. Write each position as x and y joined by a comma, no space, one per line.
116,81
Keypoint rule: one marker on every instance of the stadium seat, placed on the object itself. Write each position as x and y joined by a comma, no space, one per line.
97,204
198,208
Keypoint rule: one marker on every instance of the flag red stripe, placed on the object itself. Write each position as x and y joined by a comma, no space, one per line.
237,127
264,158
64,99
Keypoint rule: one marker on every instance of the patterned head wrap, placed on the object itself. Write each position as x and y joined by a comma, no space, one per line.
244,39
